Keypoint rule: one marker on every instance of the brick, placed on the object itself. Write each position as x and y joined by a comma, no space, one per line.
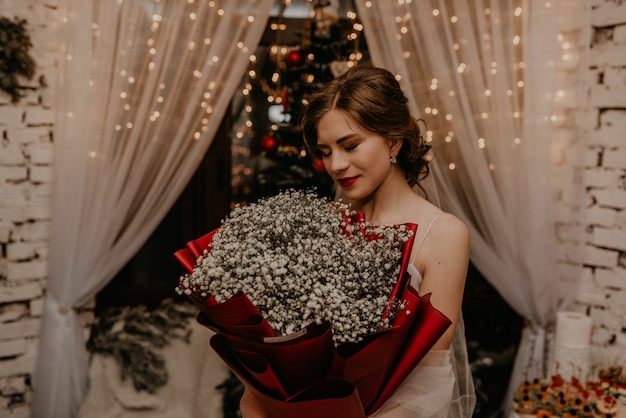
14,213
36,307
608,137
13,311
600,257
41,154
14,194
608,13
37,210
21,365
604,56
12,115
619,34
11,155
607,97
615,278
601,336
34,269
614,158
13,386
592,295
41,174
22,411
36,116
601,177
40,210
31,135
613,119
41,192
20,292
32,231
591,157
20,251
12,348
20,329
601,216
610,198
13,175
606,318
42,250
609,238
614,77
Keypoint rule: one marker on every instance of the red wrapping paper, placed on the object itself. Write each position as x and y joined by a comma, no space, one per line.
304,375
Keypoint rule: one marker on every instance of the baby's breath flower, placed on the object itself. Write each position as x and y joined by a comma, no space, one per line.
298,260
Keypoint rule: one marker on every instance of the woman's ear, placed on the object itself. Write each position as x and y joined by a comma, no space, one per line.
395,145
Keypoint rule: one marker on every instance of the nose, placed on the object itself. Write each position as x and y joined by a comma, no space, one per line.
336,163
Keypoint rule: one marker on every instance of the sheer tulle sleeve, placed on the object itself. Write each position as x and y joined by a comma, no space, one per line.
440,386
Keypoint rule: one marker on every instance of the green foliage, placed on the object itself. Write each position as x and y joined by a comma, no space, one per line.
134,337
14,56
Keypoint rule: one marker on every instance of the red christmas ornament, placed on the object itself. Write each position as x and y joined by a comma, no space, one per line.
318,165
269,143
294,57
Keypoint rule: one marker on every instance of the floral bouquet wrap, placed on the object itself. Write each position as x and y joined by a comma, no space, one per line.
311,306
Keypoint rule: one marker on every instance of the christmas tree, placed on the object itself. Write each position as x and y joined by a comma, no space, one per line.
284,79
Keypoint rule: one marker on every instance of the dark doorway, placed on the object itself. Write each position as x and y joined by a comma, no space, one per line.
152,274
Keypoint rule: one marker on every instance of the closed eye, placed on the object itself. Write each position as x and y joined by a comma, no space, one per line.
322,153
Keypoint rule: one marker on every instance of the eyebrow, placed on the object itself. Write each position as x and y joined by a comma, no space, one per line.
341,140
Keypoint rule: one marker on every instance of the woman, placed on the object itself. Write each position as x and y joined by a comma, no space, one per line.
361,128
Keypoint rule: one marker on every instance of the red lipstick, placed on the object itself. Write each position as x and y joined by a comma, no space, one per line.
347,181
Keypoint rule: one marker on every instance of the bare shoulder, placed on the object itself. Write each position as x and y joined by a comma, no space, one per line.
448,229
446,248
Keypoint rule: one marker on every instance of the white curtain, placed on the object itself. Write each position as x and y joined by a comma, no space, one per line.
143,86
487,75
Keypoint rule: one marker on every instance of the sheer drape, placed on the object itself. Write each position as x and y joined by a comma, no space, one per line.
483,74
143,86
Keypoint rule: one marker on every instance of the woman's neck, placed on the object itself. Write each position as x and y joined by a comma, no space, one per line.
384,206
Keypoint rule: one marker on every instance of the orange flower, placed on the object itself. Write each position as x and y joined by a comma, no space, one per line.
543,413
561,401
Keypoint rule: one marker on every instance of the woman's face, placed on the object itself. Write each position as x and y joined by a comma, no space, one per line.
357,159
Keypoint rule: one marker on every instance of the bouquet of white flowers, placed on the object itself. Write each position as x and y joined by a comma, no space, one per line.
299,258
311,306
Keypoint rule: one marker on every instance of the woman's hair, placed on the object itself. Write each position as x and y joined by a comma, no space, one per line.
372,97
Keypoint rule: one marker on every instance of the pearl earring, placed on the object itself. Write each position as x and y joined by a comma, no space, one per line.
393,159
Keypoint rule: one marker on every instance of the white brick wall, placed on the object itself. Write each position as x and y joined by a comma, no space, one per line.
26,167
603,289
25,176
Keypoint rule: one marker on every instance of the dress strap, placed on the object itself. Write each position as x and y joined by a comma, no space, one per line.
419,246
